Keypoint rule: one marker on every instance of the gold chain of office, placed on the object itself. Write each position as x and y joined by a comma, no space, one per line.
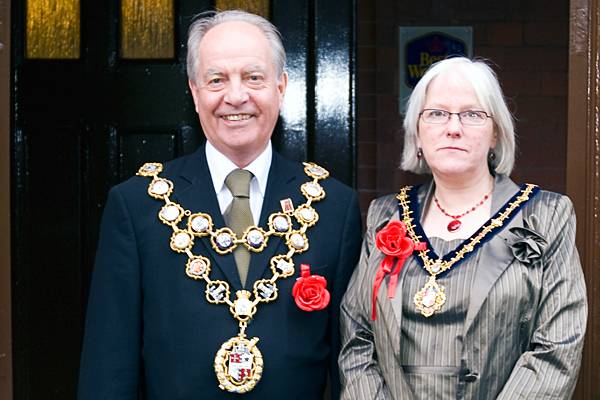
432,295
238,363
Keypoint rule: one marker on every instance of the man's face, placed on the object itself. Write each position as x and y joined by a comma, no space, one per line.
237,92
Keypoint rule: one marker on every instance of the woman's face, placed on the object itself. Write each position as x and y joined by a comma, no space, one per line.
453,149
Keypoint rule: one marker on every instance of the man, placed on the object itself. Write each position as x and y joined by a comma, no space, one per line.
187,301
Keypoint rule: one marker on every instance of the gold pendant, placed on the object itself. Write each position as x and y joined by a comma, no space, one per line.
430,298
239,364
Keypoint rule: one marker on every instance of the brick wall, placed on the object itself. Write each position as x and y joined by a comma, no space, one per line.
527,41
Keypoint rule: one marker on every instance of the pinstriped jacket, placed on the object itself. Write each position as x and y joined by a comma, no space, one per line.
525,323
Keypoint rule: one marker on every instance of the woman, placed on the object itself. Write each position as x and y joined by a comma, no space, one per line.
468,286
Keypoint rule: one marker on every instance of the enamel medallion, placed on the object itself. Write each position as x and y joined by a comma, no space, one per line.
238,365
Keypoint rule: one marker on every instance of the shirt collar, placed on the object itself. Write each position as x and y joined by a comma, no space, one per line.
220,166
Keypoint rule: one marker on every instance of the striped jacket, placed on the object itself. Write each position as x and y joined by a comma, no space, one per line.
525,324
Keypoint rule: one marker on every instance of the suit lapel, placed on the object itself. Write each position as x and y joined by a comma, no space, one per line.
495,255
284,182
198,195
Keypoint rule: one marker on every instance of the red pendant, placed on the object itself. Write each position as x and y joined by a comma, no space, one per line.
454,225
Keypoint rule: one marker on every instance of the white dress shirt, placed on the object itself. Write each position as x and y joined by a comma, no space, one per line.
220,166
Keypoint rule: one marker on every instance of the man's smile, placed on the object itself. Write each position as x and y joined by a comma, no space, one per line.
236,117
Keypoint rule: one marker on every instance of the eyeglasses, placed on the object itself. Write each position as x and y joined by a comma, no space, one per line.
468,117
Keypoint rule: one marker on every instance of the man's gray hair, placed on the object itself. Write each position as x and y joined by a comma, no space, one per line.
485,84
206,21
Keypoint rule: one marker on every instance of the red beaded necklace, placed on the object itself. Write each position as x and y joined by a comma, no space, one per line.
455,223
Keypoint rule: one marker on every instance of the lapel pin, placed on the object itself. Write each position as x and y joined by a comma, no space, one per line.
287,206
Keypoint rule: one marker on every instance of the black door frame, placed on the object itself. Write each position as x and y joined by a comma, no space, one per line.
5,210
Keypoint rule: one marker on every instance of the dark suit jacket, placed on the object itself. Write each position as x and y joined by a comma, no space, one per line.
149,326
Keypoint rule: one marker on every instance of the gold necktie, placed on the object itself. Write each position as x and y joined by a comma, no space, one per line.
239,216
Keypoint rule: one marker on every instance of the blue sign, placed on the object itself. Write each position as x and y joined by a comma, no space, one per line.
427,49
421,46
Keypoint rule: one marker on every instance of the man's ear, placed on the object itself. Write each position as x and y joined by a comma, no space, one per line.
194,89
281,86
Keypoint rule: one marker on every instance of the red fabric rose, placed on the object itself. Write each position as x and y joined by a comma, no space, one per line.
310,291
392,242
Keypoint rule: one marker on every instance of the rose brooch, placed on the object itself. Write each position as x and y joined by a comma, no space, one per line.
310,291
392,242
